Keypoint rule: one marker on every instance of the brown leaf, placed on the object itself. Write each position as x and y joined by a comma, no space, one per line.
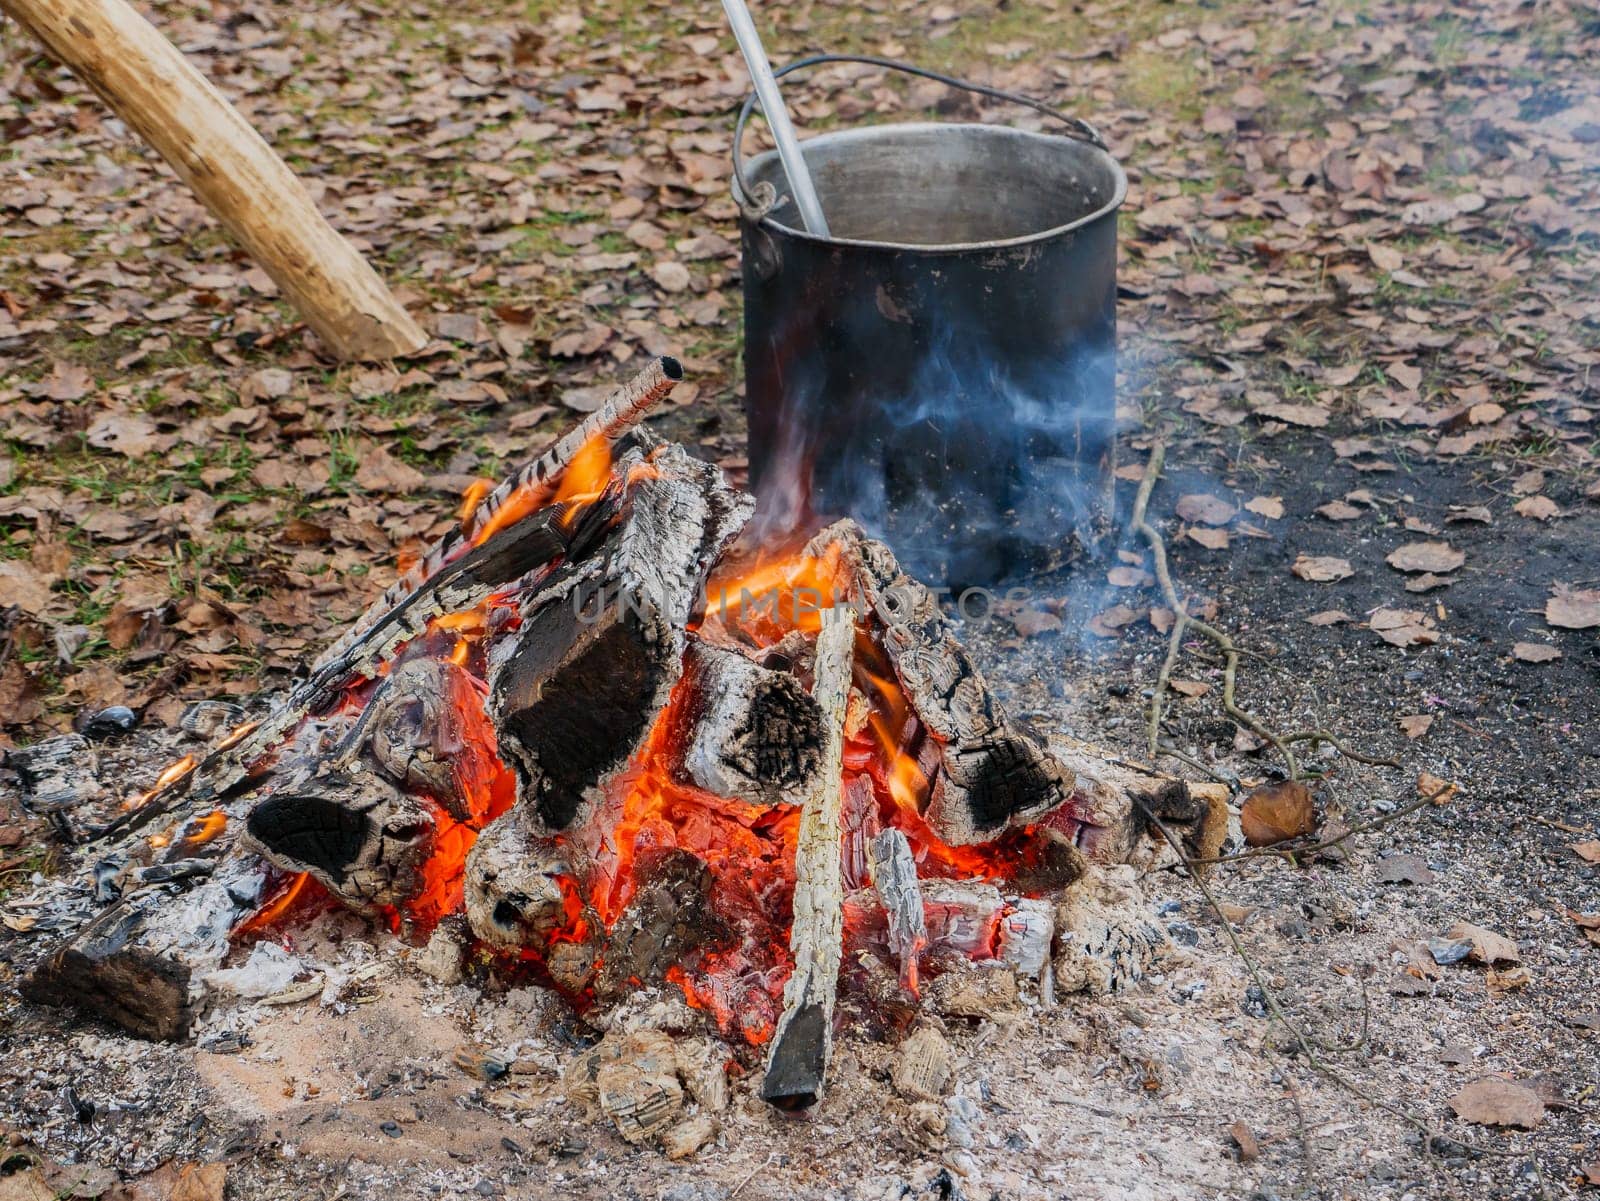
1487,947
1436,557
1129,577
670,276
1276,813
22,585
21,695
1189,688
127,434
1311,416
200,1182
1496,1101
1403,627
1573,609
1538,508
1030,623
1442,791
1270,507
1330,617
1535,652
1205,508
1211,539
1322,569
1245,1139
382,472
1338,510
299,532
1588,850
1416,725
1404,869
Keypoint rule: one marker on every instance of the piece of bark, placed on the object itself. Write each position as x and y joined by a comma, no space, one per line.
750,733
993,773
229,166
798,1063
138,964
353,830
924,1066
974,990
575,694
894,877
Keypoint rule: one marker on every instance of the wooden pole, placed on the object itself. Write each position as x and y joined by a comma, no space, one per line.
158,93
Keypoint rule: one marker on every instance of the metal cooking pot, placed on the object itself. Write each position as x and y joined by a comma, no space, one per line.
943,367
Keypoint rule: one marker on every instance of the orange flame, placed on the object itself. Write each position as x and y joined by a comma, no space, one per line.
286,899
167,778
471,497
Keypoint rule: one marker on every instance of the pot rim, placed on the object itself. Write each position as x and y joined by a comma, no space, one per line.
1119,192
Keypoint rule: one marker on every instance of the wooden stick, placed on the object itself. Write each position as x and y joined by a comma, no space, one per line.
150,85
894,878
798,1064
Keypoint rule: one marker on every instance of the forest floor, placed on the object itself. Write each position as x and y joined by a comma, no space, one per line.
1358,301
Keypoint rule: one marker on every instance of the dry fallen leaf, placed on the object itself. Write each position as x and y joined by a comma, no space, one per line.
1189,688
1209,538
1442,791
1276,813
1404,869
1588,850
1535,652
1205,508
1270,507
1496,1101
1330,617
1403,627
1338,510
1030,623
1245,1139
1322,569
1435,557
1488,948
1539,508
22,585
200,1182
1573,609
1416,725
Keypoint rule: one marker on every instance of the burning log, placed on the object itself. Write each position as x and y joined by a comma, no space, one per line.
992,774
753,733
596,658
798,1063
494,546
514,893
353,830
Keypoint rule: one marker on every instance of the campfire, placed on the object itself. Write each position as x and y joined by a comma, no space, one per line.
600,739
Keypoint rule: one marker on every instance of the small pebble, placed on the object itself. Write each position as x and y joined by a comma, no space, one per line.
392,1129
109,722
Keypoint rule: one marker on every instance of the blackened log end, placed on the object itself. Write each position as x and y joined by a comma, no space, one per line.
799,1062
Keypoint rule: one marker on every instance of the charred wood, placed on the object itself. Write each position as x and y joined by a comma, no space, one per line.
354,831
751,732
576,694
137,965
993,773
669,917
514,892
798,1063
